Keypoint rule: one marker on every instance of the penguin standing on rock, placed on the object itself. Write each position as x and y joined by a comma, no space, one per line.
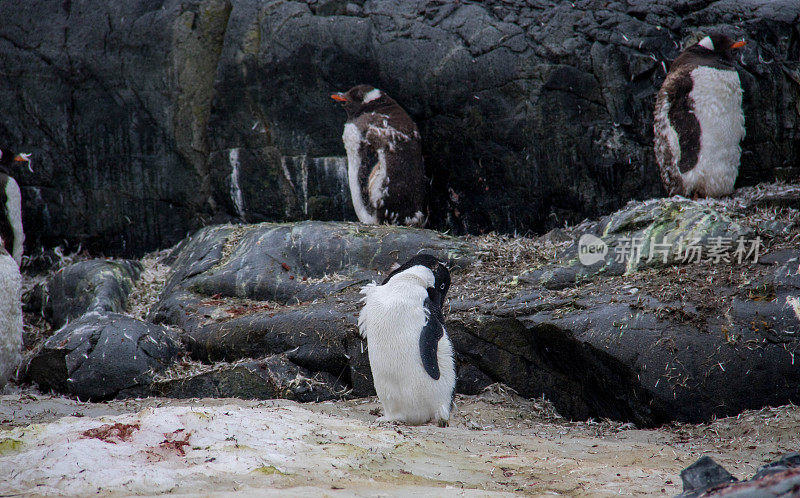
410,354
11,234
699,121
384,159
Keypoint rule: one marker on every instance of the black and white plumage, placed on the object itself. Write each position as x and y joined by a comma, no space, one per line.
699,121
384,159
11,233
410,354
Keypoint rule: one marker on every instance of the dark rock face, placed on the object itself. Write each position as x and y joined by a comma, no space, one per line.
96,285
112,100
167,114
99,355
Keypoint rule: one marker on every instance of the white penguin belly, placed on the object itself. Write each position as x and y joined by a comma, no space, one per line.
10,317
352,144
393,321
378,184
717,97
14,210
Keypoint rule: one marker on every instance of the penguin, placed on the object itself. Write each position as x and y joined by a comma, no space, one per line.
410,353
11,234
384,159
10,316
699,122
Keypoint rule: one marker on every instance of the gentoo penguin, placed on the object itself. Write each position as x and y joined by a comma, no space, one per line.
384,159
10,316
410,354
11,234
699,120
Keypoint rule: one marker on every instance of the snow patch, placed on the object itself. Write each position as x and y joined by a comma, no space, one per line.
182,448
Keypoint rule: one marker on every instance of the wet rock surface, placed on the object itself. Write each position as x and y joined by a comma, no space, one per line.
531,113
83,287
98,355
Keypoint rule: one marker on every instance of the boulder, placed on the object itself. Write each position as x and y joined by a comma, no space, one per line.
168,114
10,316
268,378
97,285
247,291
98,355
703,474
291,263
707,478
647,343
650,234
633,340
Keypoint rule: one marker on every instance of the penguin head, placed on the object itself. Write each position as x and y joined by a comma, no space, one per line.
360,99
8,158
717,46
433,272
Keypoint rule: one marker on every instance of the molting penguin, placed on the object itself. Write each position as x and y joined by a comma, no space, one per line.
384,159
410,354
699,120
11,234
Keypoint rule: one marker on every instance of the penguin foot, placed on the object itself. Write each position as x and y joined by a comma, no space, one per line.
387,421
442,423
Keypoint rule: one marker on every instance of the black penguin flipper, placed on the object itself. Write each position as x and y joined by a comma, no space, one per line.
683,119
369,158
429,338
407,186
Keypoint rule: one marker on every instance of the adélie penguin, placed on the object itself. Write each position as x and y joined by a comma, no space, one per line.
385,170
699,121
410,354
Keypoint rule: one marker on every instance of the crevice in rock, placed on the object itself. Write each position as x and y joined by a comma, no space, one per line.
579,379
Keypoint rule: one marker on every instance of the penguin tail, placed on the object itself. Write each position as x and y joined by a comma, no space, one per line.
367,290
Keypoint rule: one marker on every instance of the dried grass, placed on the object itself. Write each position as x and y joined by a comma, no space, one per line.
500,259
151,282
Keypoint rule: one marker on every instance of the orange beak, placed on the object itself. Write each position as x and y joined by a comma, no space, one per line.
339,97
24,158
739,44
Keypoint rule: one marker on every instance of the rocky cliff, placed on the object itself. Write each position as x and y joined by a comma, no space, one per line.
149,118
